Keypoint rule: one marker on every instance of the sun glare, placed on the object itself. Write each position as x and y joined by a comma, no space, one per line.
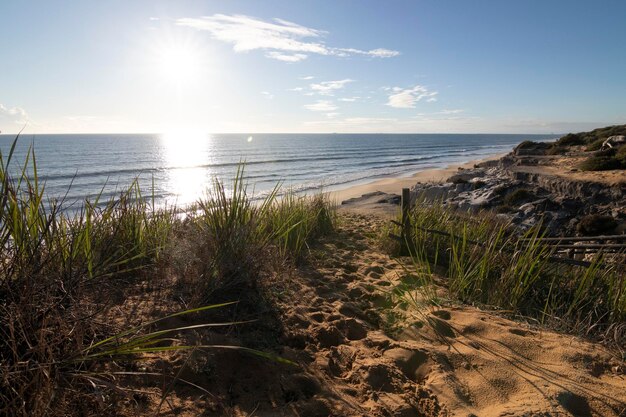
186,154
178,63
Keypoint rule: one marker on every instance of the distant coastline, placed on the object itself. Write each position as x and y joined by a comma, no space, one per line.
178,168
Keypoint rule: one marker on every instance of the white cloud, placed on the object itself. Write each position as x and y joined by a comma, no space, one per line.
327,88
296,89
332,115
349,99
286,57
13,115
307,77
383,53
284,41
377,53
267,95
321,105
407,98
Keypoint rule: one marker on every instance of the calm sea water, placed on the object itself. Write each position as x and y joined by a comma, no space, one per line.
180,167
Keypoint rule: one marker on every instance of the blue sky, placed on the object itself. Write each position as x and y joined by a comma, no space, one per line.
314,66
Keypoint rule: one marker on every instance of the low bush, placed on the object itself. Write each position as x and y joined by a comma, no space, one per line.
595,224
593,139
557,150
600,163
517,197
595,145
620,156
571,139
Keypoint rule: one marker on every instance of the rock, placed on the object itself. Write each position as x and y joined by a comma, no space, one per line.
466,175
432,193
553,200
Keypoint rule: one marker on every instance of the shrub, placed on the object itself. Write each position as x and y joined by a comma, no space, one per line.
620,156
595,145
599,163
531,148
595,224
571,139
556,150
517,197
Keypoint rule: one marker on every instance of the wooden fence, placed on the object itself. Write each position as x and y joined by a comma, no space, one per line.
574,245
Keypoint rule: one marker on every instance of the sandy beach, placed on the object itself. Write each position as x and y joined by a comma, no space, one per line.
394,185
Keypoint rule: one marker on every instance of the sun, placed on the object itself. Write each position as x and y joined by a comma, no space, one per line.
178,62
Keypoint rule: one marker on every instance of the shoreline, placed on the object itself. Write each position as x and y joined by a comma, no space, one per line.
394,185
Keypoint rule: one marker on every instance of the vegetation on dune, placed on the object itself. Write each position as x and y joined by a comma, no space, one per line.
600,163
486,263
599,160
62,274
589,138
596,224
517,197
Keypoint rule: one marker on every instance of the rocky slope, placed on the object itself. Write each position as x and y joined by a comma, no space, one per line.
528,189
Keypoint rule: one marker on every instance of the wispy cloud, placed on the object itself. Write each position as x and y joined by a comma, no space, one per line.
327,88
286,57
321,105
13,115
407,98
307,77
349,99
267,95
282,40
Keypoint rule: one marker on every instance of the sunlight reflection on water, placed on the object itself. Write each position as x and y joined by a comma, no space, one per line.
187,156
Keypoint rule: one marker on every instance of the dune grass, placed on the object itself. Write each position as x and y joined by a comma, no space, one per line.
59,271
486,261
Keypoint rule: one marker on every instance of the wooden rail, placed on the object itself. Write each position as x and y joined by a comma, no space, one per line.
406,236
580,238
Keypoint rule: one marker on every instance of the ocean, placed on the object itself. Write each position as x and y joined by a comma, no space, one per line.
177,169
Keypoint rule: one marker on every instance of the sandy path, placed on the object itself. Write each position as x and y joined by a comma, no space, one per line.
380,359
361,350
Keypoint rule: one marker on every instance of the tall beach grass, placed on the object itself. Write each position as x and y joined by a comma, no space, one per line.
59,271
487,261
